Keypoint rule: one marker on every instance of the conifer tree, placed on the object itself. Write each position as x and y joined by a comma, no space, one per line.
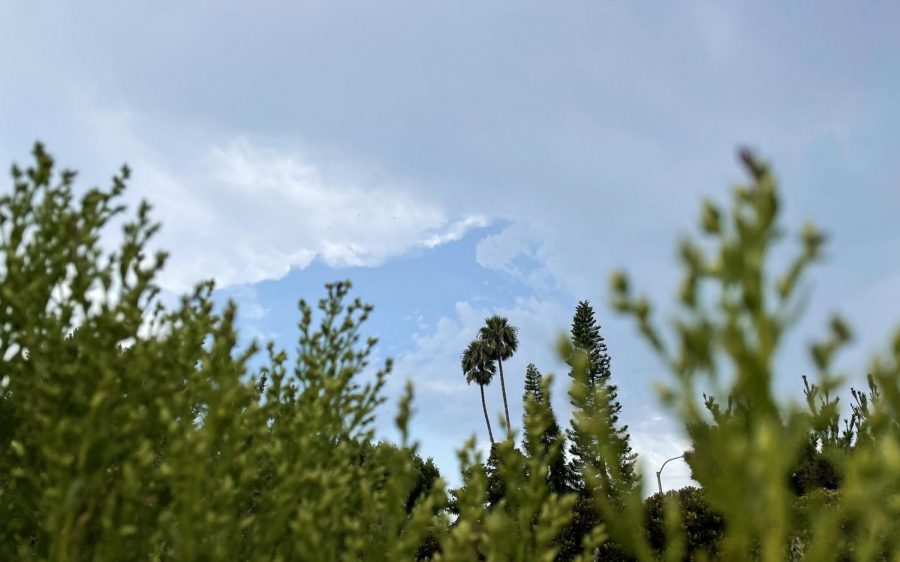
557,471
533,380
586,338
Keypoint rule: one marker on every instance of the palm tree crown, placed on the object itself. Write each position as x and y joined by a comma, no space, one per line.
501,338
478,364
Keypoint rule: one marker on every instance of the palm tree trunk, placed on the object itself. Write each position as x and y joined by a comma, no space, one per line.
487,420
503,388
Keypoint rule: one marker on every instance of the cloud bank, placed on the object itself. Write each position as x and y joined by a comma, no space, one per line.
242,210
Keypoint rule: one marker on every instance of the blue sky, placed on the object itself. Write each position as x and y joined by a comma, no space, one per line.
460,159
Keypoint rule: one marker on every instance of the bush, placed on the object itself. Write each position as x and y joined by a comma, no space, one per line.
746,440
134,428
701,526
129,429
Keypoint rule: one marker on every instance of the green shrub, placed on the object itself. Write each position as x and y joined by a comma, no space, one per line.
746,441
133,430
701,526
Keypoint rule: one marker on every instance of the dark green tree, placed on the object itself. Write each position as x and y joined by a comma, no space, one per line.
535,402
533,380
479,367
421,476
501,341
586,338
700,526
496,486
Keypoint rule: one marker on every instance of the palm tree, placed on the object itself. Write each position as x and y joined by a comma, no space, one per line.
478,366
501,341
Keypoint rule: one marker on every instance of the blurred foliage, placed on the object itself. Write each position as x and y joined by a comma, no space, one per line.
701,526
752,452
134,430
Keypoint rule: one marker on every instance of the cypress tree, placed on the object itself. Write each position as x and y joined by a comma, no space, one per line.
586,337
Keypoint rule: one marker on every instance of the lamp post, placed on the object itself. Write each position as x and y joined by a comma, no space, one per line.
659,472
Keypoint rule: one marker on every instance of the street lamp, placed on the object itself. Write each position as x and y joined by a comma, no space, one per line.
659,472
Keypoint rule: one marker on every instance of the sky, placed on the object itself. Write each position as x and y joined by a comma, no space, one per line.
461,159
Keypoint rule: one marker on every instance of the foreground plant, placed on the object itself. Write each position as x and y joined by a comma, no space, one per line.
128,429
721,351
132,430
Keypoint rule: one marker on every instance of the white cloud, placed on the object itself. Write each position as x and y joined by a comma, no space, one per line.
433,363
499,251
519,251
252,314
455,231
244,211
656,439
